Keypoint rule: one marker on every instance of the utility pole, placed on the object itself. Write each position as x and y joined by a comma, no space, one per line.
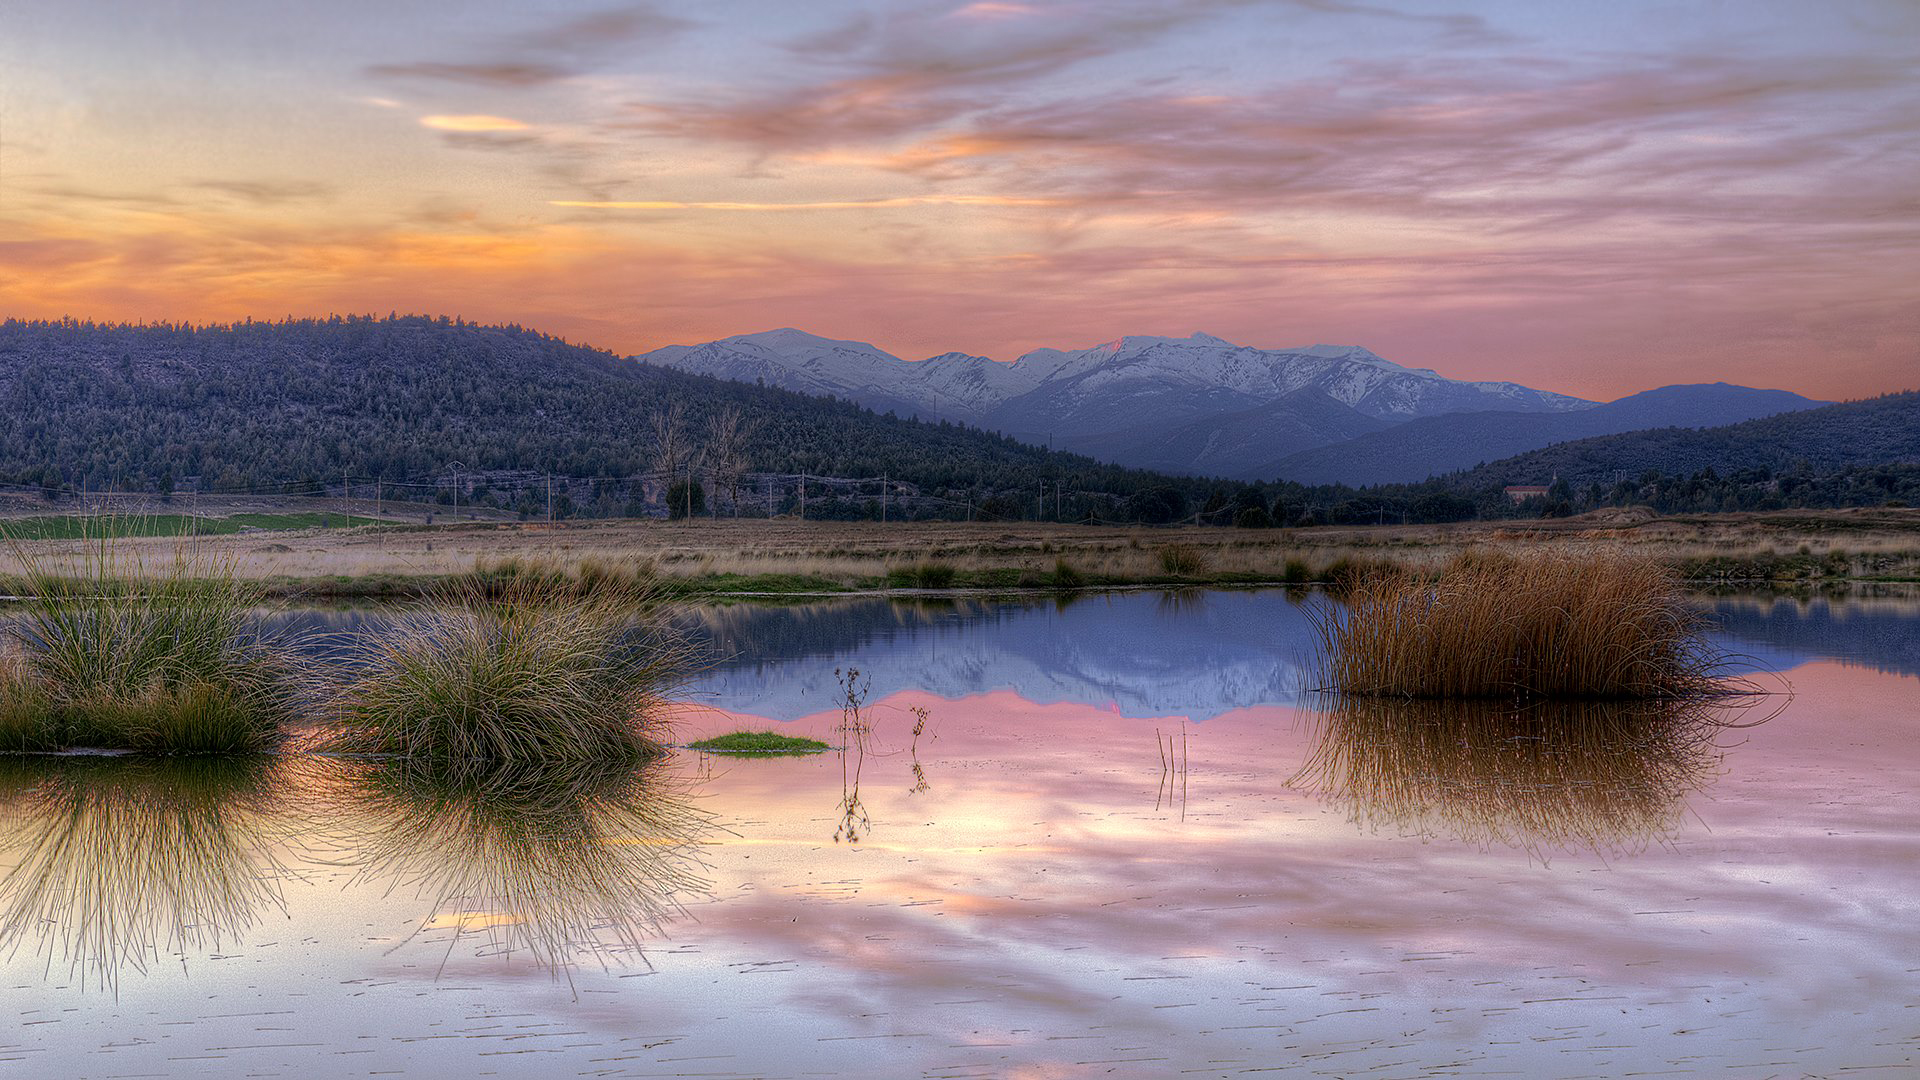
769,498
883,498
689,489
346,499
1040,512
549,498
803,496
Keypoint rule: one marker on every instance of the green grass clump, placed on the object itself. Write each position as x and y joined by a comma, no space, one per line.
532,673
1529,625
933,575
1296,572
588,577
759,744
109,653
1067,576
1182,560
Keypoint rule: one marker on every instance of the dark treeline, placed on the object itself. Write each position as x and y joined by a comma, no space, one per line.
296,405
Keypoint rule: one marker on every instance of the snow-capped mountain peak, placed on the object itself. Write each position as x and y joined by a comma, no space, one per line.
1104,396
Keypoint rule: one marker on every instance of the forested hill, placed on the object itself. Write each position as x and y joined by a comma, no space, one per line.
257,404
1877,431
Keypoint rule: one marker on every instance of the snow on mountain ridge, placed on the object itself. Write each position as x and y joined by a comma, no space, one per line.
1116,389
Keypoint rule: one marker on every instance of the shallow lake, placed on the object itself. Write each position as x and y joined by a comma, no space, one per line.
1105,837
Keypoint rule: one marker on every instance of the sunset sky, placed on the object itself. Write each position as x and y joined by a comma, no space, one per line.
1586,197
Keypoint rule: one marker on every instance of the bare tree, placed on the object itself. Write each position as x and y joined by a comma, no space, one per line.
673,449
726,451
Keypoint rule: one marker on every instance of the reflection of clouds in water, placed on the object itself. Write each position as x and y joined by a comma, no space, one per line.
552,861
1144,654
115,860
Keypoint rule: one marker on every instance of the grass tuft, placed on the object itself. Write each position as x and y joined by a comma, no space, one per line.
1498,625
109,653
532,672
1067,576
759,744
932,575
1183,560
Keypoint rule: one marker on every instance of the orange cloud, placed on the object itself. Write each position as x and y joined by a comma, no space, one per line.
476,122
849,204
988,9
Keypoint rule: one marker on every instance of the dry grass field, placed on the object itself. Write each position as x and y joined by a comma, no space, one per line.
785,555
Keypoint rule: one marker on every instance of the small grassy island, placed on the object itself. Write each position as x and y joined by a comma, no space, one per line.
759,744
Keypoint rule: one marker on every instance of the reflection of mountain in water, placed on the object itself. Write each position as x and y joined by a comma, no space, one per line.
1140,653
1777,632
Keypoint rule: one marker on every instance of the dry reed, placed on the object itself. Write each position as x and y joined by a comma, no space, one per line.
1537,624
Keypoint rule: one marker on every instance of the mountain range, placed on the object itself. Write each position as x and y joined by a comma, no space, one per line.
1881,431
277,406
1204,406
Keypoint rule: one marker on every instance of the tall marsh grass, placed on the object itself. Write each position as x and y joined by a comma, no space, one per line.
109,651
1533,625
529,672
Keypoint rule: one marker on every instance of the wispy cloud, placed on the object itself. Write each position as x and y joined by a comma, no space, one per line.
473,123
548,53
846,204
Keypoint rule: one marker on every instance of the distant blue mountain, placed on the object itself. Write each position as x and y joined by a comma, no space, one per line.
1434,445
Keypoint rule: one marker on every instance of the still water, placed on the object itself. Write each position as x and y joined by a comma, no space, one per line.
1106,838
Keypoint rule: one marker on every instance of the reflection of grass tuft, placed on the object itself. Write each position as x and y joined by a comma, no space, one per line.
121,859
552,860
759,744
1590,774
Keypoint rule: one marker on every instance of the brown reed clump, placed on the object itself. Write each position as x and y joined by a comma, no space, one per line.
1182,560
1519,625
